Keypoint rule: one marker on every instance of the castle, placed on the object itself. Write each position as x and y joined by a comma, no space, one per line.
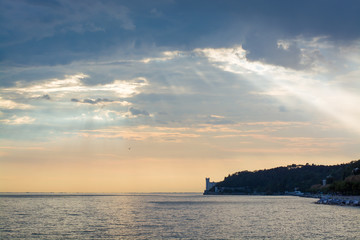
209,184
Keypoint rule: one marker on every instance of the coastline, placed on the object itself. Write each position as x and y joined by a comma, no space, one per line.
339,200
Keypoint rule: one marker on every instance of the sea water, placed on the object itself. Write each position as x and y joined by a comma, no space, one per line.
173,216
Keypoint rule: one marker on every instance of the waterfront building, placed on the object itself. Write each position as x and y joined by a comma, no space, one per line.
209,184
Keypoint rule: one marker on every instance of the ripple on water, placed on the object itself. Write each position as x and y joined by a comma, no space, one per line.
184,216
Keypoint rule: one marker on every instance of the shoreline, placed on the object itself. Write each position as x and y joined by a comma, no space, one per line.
339,200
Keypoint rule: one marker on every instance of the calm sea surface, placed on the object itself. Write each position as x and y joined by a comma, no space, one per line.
173,216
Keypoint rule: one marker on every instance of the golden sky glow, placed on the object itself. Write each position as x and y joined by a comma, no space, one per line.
127,100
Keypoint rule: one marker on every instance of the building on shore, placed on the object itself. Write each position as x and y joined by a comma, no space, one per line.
209,184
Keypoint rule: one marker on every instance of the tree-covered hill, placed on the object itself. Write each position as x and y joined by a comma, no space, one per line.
304,178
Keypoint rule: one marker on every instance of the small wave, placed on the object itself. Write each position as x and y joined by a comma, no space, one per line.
73,214
189,202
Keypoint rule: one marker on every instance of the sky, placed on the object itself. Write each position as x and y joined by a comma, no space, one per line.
154,96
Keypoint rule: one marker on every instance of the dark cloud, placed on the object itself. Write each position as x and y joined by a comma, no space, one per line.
137,112
98,100
283,109
35,29
91,101
46,97
60,32
265,48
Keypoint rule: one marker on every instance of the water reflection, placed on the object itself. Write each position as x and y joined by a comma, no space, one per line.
189,216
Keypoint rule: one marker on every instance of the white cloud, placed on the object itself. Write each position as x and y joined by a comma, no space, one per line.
72,84
15,120
165,56
283,44
217,116
307,86
234,60
100,115
9,104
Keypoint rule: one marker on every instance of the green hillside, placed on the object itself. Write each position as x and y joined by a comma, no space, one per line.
305,178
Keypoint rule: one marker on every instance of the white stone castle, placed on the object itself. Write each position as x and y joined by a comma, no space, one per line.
209,184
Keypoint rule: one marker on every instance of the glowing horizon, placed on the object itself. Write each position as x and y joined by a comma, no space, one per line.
136,99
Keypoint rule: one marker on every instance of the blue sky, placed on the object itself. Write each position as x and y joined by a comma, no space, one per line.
192,88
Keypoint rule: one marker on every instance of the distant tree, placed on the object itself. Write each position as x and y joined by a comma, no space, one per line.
303,177
329,179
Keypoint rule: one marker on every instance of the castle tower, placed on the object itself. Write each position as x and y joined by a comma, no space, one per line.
207,186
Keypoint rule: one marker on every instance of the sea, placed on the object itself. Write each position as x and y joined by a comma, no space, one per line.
172,216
